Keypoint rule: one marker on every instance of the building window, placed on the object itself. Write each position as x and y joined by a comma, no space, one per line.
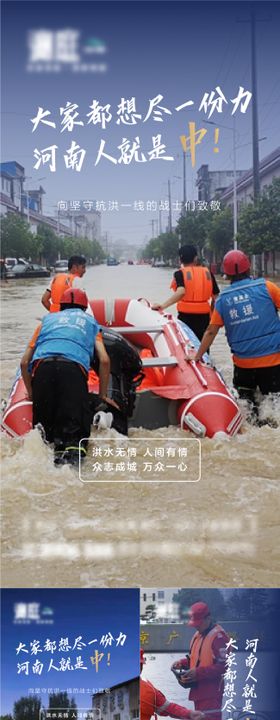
134,714
117,716
161,594
5,185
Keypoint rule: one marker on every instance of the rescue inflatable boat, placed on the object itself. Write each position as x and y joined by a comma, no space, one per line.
173,389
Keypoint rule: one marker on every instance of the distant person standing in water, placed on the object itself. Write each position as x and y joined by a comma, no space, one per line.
195,289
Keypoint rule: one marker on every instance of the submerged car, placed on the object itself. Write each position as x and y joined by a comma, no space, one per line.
10,262
28,271
61,266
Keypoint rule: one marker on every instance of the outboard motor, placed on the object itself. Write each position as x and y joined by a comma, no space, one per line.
126,375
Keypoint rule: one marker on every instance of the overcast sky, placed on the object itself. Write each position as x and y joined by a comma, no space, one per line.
179,50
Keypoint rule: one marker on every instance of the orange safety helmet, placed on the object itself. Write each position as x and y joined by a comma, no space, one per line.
235,262
74,297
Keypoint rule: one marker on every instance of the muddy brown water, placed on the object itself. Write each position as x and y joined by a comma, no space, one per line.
60,532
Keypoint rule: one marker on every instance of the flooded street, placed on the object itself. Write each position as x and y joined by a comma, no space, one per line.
60,532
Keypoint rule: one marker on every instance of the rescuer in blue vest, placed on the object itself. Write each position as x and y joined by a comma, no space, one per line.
248,309
55,370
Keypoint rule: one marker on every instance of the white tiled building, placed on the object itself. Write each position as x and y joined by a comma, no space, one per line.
121,702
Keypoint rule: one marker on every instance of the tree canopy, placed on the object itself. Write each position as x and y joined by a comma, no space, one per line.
16,238
27,708
61,700
214,599
259,224
212,231
18,241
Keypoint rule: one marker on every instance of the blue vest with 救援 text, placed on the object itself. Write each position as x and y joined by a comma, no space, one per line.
69,333
250,318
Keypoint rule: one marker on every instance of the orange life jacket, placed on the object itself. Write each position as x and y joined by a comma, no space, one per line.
60,283
198,289
201,648
152,375
147,699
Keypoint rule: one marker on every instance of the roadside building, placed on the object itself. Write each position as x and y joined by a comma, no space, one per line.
17,198
158,605
219,185
81,217
212,182
268,170
121,702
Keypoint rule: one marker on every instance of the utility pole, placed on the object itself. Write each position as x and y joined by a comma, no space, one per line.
233,129
153,228
160,221
170,208
184,184
27,205
255,131
106,243
234,188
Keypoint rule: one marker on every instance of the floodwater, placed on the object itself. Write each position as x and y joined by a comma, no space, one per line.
60,532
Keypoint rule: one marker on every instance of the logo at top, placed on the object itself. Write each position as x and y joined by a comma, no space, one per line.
94,46
33,612
55,51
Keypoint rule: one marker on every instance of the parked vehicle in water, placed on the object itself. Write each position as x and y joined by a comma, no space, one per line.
61,266
10,262
30,270
112,261
160,264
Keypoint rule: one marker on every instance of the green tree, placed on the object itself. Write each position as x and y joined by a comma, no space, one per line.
62,701
90,248
258,224
220,233
250,604
165,245
153,249
214,599
49,243
16,238
97,252
6,717
193,228
27,708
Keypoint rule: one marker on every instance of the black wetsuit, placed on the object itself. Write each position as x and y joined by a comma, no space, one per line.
61,403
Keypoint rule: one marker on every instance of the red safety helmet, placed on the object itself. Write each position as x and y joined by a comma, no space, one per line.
142,659
235,262
198,612
74,297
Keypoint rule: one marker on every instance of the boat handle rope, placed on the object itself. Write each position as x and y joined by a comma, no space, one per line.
191,362
144,300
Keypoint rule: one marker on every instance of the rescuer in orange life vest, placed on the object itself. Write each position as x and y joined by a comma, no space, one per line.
206,663
195,288
153,701
62,281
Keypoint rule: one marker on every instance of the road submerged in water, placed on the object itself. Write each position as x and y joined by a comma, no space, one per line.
60,532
